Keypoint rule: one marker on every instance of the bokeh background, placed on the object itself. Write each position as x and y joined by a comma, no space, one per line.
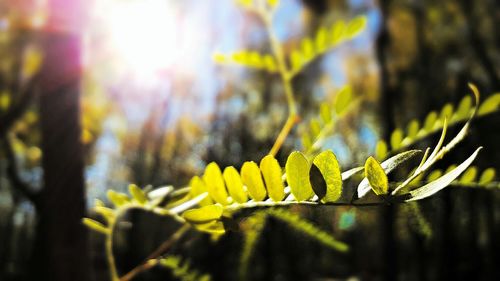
155,109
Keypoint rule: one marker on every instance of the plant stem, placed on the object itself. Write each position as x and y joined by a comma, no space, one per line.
109,255
248,205
285,76
152,259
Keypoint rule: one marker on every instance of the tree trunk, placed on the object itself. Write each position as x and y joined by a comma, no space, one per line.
61,251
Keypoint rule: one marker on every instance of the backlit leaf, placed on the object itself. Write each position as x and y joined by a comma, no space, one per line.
492,103
412,129
118,199
327,164
297,176
137,194
464,108
434,175
198,187
271,171
343,99
487,176
325,112
396,138
338,30
388,165
430,120
376,176
355,26
234,184
381,150
446,112
315,127
95,225
252,179
204,214
469,175
321,39
215,183
307,48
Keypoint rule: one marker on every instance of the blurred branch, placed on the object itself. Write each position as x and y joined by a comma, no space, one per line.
152,259
13,173
17,110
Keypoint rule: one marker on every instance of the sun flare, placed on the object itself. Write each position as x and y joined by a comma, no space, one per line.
143,33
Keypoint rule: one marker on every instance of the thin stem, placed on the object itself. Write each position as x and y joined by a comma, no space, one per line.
152,259
285,76
248,205
290,122
109,255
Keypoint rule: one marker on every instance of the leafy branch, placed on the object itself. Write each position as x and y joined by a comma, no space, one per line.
289,67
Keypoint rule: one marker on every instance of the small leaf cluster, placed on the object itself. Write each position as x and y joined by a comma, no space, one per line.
325,39
434,122
314,133
472,177
250,59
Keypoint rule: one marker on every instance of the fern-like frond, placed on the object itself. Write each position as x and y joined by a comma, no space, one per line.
252,231
319,128
434,122
307,228
182,270
325,39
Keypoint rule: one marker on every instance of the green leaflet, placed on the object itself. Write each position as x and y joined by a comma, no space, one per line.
321,40
325,113
118,199
252,179
338,30
469,175
490,105
430,120
271,171
388,165
412,128
442,182
343,99
376,176
95,225
107,213
464,108
446,111
434,175
487,176
307,47
204,214
329,167
215,183
297,176
396,138
355,26
381,150
198,187
234,184
137,194
315,127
